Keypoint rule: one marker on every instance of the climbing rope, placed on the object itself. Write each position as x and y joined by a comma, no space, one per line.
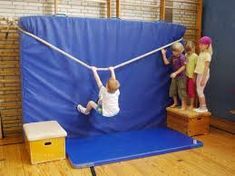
85,64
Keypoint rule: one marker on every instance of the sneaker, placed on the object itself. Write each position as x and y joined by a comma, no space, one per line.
196,109
81,109
201,110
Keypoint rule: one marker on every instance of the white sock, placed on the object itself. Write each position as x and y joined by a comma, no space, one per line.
203,107
81,109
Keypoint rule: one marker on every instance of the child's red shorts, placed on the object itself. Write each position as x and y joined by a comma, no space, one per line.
191,88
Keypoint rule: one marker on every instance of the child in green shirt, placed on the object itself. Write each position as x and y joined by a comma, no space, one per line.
191,61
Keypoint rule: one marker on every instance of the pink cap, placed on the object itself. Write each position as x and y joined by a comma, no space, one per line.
205,40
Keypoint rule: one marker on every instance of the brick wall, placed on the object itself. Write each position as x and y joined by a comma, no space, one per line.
185,12
10,99
140,9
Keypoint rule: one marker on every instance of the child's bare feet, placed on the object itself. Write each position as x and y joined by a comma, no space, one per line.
183,105
190,108
173,106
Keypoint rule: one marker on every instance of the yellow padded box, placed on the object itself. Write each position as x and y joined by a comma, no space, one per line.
45,141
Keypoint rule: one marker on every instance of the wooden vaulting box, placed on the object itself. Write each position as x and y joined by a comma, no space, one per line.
188,122
45,141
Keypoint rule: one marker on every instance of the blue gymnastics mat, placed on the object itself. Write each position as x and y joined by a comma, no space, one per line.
98,150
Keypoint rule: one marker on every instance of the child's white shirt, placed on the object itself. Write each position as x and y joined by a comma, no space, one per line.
201,62
109,102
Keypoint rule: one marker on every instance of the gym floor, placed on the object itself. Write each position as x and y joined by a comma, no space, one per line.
216,158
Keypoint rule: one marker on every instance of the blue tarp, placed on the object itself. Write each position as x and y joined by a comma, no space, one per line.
52,85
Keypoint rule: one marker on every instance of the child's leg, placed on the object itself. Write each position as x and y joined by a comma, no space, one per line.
191,92
202,102
175,102
181,84
183,104
191,105
200,91
173,92
90,105
201,95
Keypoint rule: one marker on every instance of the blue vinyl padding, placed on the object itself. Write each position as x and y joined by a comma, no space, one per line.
52,85
93,151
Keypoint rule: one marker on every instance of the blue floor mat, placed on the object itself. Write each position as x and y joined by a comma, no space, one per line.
97,150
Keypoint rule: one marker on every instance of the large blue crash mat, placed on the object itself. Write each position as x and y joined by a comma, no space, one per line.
53,85
93,151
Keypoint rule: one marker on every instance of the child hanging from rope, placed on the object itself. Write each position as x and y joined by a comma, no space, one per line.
107,105
178,78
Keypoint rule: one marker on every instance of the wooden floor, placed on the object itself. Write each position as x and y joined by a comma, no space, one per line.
216,158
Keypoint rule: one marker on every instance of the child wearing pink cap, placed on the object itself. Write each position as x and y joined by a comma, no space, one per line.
202,70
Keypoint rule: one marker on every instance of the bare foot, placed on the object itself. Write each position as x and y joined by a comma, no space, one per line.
183,108
173,106
190,108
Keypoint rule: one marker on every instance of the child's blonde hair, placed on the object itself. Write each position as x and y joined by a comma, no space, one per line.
113,85
177,47
210,49
190,46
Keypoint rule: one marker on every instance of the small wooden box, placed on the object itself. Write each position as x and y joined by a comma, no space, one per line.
45,141
188,122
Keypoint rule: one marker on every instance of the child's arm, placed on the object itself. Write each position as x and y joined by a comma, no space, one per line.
112,72
195,64
181,69
205,72
164,58
97,78
194,77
